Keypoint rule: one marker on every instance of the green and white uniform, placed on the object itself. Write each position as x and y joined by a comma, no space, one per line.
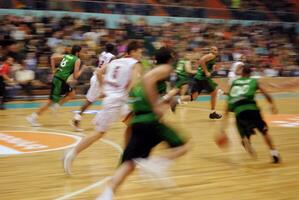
147,131
59,85
203,82
241,101
241,95
182,75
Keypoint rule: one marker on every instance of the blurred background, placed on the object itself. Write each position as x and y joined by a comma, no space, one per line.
266,31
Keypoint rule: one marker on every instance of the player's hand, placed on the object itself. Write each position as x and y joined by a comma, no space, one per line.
208,74
273,109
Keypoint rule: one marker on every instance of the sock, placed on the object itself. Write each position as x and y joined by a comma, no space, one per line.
274,152
78,117
213,111
34,115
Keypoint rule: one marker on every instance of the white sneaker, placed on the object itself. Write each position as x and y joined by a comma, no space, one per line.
32,119
75,123
106,195
155,169
68,159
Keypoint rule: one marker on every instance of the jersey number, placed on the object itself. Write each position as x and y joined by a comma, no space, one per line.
63,62
115,72
238,90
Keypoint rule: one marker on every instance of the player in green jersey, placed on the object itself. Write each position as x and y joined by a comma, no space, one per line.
241,101
147,130
69,64
183,70
203,80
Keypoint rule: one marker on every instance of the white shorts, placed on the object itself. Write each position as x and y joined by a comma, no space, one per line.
94,91
114,108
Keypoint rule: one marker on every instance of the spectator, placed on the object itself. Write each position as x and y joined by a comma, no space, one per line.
5,77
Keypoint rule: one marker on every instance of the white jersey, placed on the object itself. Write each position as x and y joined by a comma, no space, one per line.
232,75
118,75
105,58
235,66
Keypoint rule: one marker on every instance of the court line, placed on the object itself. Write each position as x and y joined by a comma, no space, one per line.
89,187
94,185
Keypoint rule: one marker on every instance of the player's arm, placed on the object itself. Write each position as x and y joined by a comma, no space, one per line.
203,62
7,78
77,71
54,60
188,68
100,72
149,83
268,98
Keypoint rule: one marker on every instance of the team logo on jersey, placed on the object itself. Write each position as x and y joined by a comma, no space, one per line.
284,120
23,142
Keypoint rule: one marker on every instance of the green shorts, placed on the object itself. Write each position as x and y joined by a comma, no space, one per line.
181,80
146,136
58,89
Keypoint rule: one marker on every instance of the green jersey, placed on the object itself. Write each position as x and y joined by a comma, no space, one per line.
180,68
200,74
66,67
143,111
241,95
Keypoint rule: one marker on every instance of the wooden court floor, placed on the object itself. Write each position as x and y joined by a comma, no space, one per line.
205,173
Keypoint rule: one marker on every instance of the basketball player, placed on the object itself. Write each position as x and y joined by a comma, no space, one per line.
94,92
69,66
183,70
235,69
147,130
203,80
241,102
119,74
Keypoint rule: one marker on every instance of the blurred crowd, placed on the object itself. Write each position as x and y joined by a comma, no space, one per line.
30,41
282,10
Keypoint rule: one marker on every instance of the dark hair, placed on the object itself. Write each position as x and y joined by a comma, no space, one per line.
134,45
5,58
75,49
164,55
109,47
246,70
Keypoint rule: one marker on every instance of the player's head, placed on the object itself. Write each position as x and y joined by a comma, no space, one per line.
109,48
246,71
214,50
135,49
188,54
76,50
164,55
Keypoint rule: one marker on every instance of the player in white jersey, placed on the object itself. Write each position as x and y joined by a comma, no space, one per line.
116,79
235,69
94,92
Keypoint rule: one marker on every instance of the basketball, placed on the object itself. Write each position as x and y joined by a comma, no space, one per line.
221,140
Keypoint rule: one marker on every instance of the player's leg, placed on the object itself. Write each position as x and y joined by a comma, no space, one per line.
55,96
211,87
102,122
263,128
91,96
117,179
244,125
